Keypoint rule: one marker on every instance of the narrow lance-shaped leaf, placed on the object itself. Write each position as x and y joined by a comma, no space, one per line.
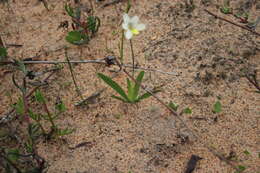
69,10
138,84
113,85
119,98
147,95
66,131
130,90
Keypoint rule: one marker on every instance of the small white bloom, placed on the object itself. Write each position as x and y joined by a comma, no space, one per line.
131,26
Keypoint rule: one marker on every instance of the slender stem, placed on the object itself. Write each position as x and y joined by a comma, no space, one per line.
49,115
122,47
228,21
73,77
150,69
133,57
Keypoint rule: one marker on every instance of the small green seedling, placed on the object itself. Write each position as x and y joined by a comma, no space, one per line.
133,89
187,110
226,9
60,107
217,108
173,105
83,30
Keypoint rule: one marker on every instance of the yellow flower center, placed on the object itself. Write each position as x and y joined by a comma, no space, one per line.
135,31
132,29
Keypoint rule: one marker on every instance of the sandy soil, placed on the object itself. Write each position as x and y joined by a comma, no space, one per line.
206,56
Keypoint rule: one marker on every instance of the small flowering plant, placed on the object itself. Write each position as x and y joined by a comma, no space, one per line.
132,26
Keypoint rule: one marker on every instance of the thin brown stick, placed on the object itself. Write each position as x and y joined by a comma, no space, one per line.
228,21
73,76
101,61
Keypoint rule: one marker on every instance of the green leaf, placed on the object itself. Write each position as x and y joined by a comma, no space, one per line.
66,131
77,38
93,24
13,154
34,116
3,53
173,105
19,107
29,147
113,85
34,131
144,96
226,10
246,152
217,107
130,90
119,98
60,107
241,168
187,110
39,96
69,10
136,89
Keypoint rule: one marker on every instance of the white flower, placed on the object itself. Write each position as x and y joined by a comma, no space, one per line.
132,26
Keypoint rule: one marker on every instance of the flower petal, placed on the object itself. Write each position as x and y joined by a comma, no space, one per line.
126,18
128,34
140,27
125,26
134,20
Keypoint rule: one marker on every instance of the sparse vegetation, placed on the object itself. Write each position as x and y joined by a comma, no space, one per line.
40,119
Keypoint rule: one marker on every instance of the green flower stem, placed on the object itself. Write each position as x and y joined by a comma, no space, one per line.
133,56
122,47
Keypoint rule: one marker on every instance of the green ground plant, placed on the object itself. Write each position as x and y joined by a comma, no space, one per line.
132,95
83,30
